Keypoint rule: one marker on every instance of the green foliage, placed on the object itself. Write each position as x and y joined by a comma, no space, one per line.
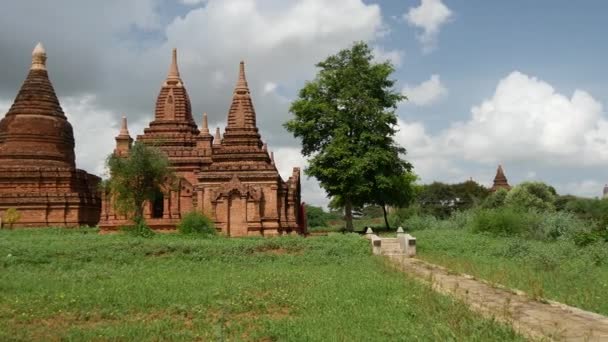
440,199
346,121
591,209
136,179
317,217
501,222
76,285
11,216
495,199
532,195
196,223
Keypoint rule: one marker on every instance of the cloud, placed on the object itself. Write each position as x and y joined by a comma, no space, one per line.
527,120
526,123
430,16
394,56
426,93
117,59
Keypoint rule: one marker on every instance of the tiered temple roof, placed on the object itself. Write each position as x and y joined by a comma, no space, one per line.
500,180
38,176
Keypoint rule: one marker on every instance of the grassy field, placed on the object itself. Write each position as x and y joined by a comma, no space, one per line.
78,285
558,270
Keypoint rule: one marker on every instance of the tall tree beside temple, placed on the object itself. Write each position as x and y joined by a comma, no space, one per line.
346,121
137,178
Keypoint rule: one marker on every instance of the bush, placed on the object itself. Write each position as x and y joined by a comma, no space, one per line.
558,225
196,223
495,200
503,222
316,216
532,195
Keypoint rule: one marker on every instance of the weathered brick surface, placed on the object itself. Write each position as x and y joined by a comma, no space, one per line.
232,179
38,175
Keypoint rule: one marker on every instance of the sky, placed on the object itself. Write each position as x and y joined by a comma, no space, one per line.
519,83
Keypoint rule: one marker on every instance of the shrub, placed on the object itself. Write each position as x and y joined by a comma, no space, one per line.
496,199
503,221
532,195
11,216
558,225
399,216
316,216
196,223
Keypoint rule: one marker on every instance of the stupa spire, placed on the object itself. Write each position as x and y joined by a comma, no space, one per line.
205,128
124,129
173,75
218,138
241,83
39,57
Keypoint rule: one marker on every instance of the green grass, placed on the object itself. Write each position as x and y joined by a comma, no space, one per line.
77,285
559,270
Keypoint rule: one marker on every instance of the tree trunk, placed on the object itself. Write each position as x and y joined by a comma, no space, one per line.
348,215
385,217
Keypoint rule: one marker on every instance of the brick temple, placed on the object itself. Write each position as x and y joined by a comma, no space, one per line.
231,178
38,175
500,180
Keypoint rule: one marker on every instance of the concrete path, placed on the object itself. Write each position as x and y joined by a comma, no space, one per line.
544,320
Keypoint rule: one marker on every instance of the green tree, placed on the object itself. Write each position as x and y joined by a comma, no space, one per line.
346,121
532,195
136,179
394,190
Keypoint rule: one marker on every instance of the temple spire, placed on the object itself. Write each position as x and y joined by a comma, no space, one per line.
218,138
500,180
205,128
124,130
241,83
39,57
173,70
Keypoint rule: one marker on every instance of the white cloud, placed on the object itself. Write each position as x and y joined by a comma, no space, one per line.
394,56
270,87
526,122
430,16
426,93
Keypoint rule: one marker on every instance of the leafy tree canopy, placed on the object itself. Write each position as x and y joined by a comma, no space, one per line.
137,178
346,121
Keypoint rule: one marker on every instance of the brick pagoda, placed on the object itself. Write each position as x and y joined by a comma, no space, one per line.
38,175
500,180
233,179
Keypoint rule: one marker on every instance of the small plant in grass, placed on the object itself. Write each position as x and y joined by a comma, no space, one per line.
196,223
11,216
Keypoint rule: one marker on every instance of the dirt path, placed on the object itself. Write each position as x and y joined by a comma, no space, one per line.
545,320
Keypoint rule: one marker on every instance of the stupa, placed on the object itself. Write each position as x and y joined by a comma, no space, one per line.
233,180
38,175
500,180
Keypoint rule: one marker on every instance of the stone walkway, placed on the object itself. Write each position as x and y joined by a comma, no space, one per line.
549,320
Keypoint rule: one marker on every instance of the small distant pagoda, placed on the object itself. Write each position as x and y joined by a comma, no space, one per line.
605,192
500,180
38,174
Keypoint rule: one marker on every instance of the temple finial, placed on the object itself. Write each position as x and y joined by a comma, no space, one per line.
272,157
218,138
39,57
241,84
205,124
173,75
124,130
